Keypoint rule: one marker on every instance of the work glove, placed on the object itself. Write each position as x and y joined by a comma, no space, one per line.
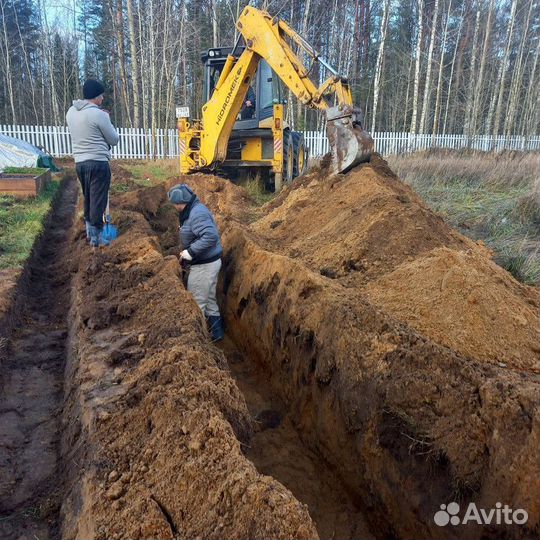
185,256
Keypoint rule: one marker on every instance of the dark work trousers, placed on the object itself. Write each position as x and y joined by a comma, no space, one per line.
95,179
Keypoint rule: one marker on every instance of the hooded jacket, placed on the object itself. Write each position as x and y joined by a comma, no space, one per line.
199,233
92,133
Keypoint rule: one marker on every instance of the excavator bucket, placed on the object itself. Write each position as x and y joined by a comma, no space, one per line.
350,144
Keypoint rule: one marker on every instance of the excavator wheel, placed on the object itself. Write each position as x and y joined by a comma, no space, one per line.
288,157
300,154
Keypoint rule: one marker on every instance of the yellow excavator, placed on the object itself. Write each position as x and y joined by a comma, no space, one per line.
243,125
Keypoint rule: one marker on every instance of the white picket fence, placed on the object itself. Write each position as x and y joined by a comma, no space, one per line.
142,144
387,143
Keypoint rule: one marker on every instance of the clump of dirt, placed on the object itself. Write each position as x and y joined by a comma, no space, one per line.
155,424
8,284
225,199
465,301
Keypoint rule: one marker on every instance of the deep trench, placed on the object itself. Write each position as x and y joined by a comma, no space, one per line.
31,402
276,449
31,380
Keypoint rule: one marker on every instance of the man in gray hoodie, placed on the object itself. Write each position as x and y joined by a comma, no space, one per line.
92,135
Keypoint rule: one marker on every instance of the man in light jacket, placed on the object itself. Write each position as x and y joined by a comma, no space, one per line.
92,135
202,251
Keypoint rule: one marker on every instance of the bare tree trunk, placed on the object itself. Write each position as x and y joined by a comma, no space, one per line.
479,90
134,64
517,77
528,126
144,38
215,36
472,74
152,60
504,69
436,113
118,26
417,65
427,86
50,64
405,124
7,60
303,33
449,91
380,56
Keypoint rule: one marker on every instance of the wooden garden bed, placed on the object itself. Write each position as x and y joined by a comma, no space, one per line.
24,184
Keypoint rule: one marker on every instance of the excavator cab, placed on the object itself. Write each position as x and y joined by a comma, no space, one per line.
252,141
265,90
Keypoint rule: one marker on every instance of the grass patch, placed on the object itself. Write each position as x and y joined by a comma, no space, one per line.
119,188
152,173
256,189
21,221
24,170
489,197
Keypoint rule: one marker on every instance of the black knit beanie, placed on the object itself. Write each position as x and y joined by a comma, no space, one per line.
92,89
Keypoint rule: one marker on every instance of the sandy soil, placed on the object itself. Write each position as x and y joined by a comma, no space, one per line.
377,364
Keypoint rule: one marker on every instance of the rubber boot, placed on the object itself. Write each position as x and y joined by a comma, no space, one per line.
215,326
103,240
94,235
87,224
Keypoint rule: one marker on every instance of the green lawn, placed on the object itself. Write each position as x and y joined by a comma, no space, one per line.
21,221
151,173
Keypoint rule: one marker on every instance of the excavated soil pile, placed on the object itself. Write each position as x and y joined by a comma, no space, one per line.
154,423
371,232
407,358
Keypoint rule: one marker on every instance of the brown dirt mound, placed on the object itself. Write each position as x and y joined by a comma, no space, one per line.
465,301
356,226
367,229
407,402
409,405
226,200
154,422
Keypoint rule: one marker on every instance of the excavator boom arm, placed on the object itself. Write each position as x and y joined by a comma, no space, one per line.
269,38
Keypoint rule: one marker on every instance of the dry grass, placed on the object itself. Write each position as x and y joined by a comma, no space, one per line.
493,197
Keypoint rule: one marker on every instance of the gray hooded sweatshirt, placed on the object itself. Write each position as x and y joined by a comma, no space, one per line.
92,133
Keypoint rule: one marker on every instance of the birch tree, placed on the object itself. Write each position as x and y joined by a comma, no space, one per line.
427,84
438,94
134,63
417,66
380,57
479,90
503,70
